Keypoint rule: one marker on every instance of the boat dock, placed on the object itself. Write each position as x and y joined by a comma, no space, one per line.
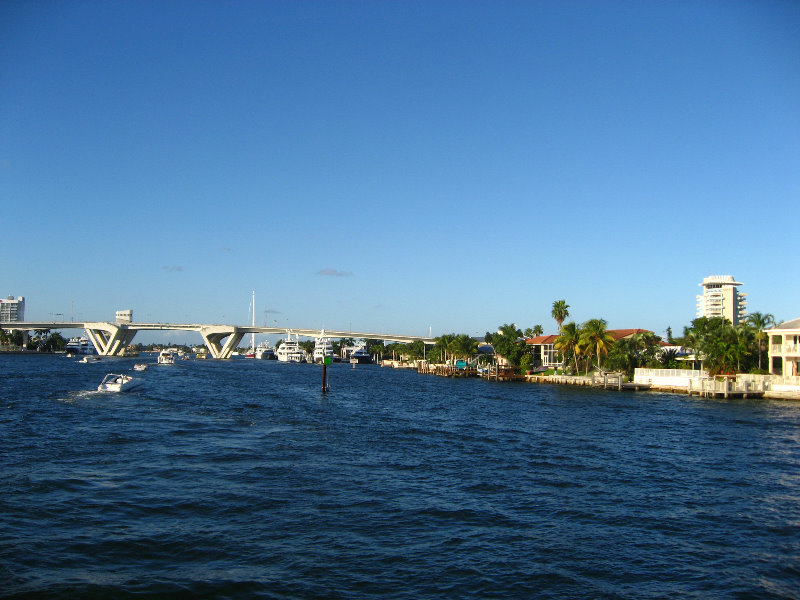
706,387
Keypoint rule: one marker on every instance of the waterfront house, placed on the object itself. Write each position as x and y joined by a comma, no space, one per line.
544,352
784,349
542,348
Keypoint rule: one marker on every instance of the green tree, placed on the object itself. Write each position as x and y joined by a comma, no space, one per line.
596,339
534,331
509,343
721,347
633,352
567,343
463,346
668,358
411,351
560,312
444,345
760,322
375,347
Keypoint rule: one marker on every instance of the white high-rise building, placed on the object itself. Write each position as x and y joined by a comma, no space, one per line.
12,309
721,298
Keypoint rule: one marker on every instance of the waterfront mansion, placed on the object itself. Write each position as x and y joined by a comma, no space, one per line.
784,349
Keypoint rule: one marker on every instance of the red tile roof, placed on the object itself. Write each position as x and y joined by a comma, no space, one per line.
616,334
541,339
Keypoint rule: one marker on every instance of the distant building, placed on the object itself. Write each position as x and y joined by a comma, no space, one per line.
12,309
784,348
124,316
721,298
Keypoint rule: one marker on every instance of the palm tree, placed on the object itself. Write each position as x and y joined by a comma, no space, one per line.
593,333
760,322
444,343
560,312
534,331
567,342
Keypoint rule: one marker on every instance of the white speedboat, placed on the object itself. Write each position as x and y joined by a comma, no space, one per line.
89,359
322,347
289,350
116,382
165,357
264,351
140,367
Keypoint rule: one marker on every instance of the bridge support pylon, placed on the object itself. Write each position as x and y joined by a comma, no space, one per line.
213,336
110,339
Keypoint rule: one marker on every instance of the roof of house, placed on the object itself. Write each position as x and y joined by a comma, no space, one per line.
541,339
793,324
616,334
619,334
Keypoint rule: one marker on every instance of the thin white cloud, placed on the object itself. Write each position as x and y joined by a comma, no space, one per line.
172,268
334,273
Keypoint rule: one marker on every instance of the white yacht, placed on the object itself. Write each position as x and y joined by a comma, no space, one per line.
165,357
80,345
289,350
359,355
322,347
264,351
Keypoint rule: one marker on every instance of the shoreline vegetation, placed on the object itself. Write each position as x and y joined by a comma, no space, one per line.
710,349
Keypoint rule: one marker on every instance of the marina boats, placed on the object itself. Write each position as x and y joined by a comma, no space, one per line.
80,345
165,357
289,350
322,348
360,356
264,351
116,382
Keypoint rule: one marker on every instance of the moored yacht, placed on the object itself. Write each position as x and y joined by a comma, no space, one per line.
322,347
289,350
358,354
80,345
264,351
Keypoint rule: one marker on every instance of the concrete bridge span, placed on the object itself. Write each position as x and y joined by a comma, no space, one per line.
111,339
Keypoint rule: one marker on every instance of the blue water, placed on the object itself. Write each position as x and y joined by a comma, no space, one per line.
239,479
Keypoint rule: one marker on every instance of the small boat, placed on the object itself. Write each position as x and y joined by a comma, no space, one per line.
89,359
165,357
264,351
140,367
322,348
116,382
289,350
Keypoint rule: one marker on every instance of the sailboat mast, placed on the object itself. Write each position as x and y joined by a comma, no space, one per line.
253,334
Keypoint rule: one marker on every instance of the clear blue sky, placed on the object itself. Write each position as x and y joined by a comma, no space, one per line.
395,166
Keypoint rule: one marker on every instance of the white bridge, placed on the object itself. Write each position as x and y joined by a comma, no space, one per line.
111,339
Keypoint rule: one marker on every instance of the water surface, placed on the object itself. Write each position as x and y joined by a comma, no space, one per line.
240,479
